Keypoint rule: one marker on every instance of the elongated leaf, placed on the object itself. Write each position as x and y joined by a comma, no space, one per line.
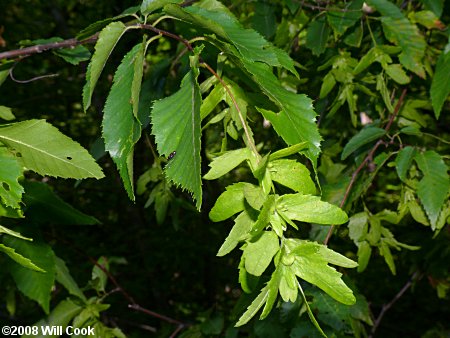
121,129
43,206
436,6
64,277
311,264
399,30
254,307
45,150
10,171
35,285
434,187
226,162
317,36
108,38
307,208
296,148
6,113
272,285
230,202
295,123
215,17
13,233
242,226
18,258
310,313
364,253
440,87
74,55
259,254
403,161
176,126
365,136
292,174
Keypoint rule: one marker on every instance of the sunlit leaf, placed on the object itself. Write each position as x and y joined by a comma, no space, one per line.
45,150
107,39
292,174
259,254
176,126
440,87
242,226
226,162
10,170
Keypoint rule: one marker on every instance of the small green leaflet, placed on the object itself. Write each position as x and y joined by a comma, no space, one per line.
254,307
403,161
230,202
259,254
365,136
10,171
292,174
399,30
64,277
311,264
433,188
105,44
121,129
45,150
226,162
242,226
6,113
440,87
149,6
33,284
307,208
340,21
176,126
13,233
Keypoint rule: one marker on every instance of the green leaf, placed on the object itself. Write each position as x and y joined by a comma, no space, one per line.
292,174
295,149
340,21
403,161
295,123
440,86
35,285
264,20
288,284
327,85
307,208
264,216
436,6
357,227
397,74
215,17
230,202
259,254
73,55
226,162
272,285
242,226
310,313
10,172
254,307
364,253
6,113
108,38
311,264
23,261
366,135
255,196
176,126
434,187
13,233
121,129
44,206
64,277
60,316
45,150
399,30
317,35
149,6
385,251
99,277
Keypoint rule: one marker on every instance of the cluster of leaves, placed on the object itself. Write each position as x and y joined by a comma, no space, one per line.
285,194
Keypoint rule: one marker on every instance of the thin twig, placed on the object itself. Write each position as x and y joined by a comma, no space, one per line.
387,306
367,159
36,78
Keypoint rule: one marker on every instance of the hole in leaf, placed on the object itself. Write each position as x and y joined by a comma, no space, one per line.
18,154
5,186
69,158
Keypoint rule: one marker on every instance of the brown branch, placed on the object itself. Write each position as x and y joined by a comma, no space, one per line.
18,53
326,9
367,159
387,306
